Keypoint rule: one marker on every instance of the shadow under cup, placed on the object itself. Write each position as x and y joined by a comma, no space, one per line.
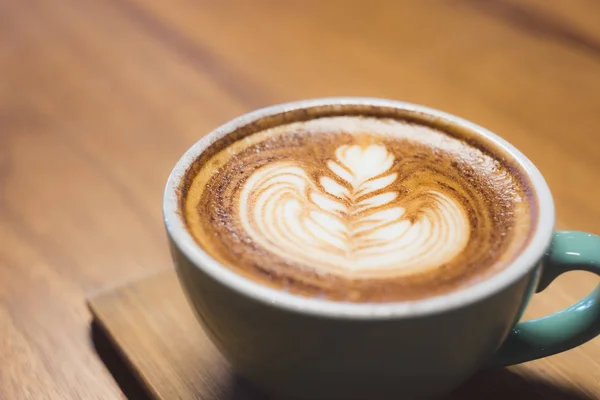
309,348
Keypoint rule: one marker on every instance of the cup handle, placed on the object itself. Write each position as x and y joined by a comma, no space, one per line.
568,328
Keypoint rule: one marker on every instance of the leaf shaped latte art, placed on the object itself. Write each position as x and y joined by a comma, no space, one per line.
348,223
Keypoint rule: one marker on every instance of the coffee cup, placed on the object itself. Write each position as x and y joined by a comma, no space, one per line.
299,345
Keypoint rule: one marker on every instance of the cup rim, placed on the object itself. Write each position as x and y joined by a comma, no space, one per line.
521,265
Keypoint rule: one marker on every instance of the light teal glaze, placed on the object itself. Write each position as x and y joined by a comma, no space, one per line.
567,328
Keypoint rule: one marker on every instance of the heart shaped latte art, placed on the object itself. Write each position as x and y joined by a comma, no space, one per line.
346,221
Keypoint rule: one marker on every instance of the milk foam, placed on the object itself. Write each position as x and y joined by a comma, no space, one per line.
346,222
357,208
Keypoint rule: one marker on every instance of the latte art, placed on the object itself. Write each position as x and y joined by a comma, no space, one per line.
348,223
356,209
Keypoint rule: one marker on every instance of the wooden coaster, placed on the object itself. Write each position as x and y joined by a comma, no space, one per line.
151,324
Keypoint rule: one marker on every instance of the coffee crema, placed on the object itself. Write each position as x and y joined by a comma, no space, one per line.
359,209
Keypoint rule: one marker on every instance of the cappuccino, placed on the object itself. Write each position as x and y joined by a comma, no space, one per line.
358,208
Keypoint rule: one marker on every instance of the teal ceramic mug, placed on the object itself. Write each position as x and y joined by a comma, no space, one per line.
304,348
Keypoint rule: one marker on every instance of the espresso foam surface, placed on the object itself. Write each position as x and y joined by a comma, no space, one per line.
357,209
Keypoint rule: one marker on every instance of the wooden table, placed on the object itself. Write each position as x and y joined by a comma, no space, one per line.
98,99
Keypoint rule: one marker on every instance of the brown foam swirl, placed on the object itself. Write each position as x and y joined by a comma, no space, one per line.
358,209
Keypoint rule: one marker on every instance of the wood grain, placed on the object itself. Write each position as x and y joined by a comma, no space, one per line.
98,99
153,327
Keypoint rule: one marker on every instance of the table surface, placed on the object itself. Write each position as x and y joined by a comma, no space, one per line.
98,99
